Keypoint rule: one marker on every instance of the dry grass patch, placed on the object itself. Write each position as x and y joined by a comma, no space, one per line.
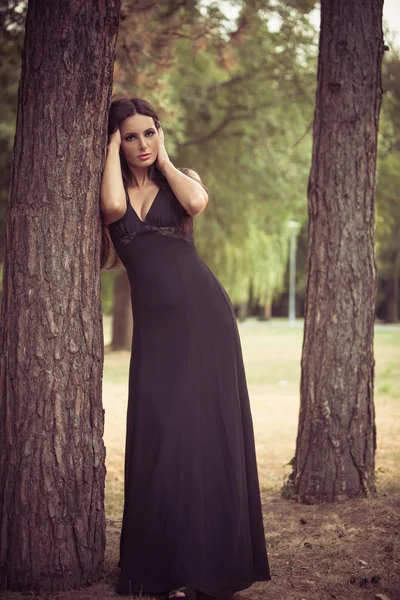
326,552
349,551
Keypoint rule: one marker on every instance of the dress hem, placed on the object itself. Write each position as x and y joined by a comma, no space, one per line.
161,591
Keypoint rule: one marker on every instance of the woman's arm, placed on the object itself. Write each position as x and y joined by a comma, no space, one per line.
190,193
112,192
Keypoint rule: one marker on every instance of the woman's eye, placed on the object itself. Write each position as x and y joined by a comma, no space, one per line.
129,138
150,133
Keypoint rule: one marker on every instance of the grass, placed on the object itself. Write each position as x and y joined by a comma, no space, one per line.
349,551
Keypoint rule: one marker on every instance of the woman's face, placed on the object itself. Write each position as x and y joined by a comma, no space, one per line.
139,140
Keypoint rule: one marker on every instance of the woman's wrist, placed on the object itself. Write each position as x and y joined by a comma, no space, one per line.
113,144
165,167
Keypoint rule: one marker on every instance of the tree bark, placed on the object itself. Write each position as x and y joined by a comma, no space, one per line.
336,440
51,342
122,328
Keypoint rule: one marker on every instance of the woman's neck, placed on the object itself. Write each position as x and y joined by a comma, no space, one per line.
139,176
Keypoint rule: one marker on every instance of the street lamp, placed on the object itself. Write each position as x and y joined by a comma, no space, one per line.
293,227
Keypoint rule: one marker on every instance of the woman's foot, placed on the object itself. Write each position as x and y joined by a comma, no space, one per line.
183,592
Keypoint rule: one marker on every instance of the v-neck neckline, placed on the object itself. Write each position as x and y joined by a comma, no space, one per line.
151,206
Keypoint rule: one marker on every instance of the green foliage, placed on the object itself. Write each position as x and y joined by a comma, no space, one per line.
387,192
246,110
234,99
11,41
234,85
107,290
388,211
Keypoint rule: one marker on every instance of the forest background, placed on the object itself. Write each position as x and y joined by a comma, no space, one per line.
234,85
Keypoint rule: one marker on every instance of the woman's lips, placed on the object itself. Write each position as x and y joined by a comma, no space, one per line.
144,156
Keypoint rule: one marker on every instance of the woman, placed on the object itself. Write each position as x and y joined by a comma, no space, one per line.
192,522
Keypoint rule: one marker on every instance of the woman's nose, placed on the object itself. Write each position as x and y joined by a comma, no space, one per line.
143,144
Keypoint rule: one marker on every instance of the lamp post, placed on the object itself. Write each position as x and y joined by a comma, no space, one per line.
293,227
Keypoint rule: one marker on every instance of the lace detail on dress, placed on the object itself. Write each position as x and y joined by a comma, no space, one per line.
182,232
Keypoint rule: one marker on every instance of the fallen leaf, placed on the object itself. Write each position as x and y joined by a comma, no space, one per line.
363,563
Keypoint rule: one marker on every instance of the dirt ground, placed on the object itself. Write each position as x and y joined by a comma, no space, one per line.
349,551
327,552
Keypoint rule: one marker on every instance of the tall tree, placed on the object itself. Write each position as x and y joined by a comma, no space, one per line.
337,437
51,344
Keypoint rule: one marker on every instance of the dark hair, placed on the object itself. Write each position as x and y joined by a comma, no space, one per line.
120,110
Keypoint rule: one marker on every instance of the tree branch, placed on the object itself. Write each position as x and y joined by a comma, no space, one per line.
239,78
301,138
212,134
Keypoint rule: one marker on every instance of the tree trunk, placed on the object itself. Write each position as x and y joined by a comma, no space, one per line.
336,440
393,304
242,310
51,343
122,328
267,308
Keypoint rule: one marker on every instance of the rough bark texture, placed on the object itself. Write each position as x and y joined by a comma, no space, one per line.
122,328
51,343
337,438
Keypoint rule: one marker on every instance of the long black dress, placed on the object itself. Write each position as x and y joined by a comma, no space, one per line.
192,512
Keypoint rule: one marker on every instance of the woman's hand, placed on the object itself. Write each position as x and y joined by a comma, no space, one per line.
162,156
115,138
